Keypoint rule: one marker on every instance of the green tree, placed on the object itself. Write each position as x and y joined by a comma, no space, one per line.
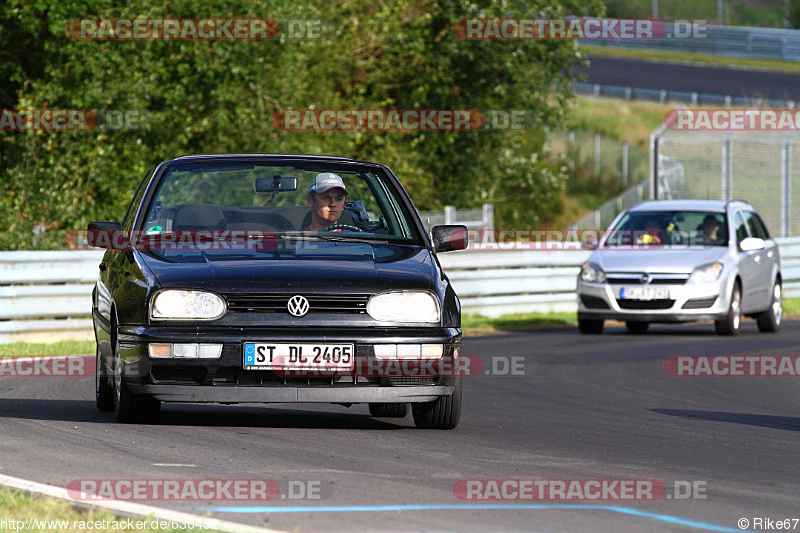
202,96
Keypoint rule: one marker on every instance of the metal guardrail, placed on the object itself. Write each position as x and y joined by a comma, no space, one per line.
46,296
737,41
482,218
664,96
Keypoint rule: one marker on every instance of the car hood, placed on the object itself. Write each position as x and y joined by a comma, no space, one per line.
309,266
666,260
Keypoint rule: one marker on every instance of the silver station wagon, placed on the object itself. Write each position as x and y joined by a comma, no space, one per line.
681,261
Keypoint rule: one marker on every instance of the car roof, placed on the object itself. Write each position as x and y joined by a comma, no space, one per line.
687,205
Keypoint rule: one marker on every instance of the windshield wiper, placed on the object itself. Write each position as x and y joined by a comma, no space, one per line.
328,238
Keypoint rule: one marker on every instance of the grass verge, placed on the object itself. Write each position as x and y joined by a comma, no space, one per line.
24,349
692,58
63,516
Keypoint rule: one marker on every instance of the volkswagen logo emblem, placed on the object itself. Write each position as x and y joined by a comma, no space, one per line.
644,279
298,305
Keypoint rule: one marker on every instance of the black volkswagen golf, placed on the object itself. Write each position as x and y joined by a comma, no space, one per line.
276,279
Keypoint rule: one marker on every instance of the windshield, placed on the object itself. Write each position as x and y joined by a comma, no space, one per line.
704,228
302,199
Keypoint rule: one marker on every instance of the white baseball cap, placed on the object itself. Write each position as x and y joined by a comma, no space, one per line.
325,182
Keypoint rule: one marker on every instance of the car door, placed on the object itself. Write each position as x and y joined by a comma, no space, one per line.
748,267
770,257
763,268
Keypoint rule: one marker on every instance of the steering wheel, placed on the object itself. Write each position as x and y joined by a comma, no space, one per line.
331,227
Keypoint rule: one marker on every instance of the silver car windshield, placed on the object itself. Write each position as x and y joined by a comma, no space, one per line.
666,228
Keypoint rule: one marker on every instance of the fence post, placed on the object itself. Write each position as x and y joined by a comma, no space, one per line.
570,150
596,154
597,219
488,216
726,169
786,188
625,163
449,214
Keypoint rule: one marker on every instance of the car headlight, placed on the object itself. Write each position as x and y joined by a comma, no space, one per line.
592,273
404,306
706,273
198,305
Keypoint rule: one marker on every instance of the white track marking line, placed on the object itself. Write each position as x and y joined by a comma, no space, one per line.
129,508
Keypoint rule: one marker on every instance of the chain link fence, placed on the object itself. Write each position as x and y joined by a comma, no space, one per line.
759,167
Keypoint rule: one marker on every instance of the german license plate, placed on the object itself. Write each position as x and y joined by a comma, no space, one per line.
644,293
289,356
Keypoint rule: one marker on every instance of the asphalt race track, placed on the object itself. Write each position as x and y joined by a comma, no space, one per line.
692,78
587,407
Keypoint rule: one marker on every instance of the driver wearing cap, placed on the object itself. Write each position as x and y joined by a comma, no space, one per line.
326,198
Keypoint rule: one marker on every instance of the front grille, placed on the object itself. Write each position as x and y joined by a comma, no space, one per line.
318,303
635,278
645,304
593,302
700,303
238,376
415,380
178,374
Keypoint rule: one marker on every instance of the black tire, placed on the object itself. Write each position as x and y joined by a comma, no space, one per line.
130,408
442,413
637,327
590,326
770,320
732,323
103,390
389,410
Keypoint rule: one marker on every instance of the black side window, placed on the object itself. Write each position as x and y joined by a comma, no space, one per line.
130,215
741,229
763,232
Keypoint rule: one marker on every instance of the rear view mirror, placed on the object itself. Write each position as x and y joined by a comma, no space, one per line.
276,184
448,238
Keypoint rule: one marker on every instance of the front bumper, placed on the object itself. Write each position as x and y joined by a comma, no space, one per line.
224,380
601,301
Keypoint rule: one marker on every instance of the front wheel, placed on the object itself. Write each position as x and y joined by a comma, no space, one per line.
731,324
770,320
442,413
129,407
103,391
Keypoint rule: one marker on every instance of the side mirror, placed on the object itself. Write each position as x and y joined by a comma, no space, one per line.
449,238
590,242
752,243
106,235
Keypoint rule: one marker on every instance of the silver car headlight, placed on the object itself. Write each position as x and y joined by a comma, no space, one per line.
187,305
705,274
404,306
592,273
